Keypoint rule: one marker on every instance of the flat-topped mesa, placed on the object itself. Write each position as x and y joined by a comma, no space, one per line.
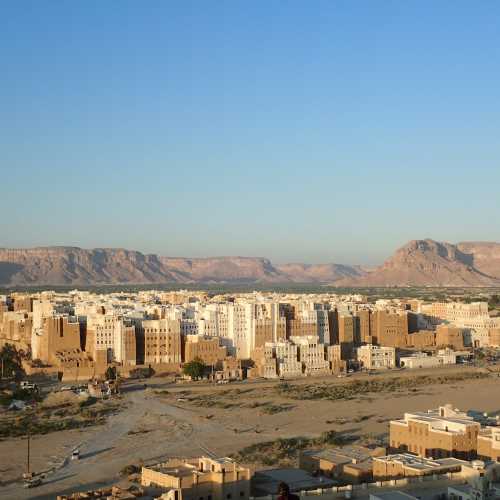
77,266
418,263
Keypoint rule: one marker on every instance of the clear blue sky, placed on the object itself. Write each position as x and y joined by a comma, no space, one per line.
321,131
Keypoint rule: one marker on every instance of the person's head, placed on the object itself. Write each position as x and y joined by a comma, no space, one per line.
283,489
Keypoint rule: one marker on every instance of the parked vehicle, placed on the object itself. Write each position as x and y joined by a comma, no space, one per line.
33,483
28,386
75,455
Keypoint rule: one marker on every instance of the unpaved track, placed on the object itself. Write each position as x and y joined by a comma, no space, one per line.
106,449
153,427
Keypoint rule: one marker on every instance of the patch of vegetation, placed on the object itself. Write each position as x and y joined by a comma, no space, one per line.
138,431
371,440
238,391
60,411
7,396
272,409
494,301
337,420
284,452
194,369
111,373
130,469
162,392
256,404
34,424
210,401
352,390
12,361
141,373
361,418
224,400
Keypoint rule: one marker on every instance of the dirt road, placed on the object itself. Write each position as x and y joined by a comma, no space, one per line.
154,425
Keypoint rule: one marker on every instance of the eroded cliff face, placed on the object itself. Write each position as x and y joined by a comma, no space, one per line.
433,263
486,256
419,263
225,269
70,265
324,273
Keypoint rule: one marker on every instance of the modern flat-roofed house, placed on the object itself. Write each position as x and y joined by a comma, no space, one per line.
351,464
488,444
407,465
392,495
199,479
441,433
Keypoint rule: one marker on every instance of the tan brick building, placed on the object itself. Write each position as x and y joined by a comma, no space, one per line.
334,357
421,339
408,465
112,338
59,334
264,331
494,334
372,357
440,433
265,365
208,349
389,329
127,346
488,444
352,464
301,328
363,326
162,341
3,309
15,329
199,479
22,303
449,336
347,325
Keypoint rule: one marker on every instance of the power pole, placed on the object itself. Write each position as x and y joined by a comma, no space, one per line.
28,459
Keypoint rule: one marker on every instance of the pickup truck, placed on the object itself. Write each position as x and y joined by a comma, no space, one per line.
33,483
27,385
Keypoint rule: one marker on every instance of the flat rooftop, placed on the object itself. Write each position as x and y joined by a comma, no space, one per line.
223,460
460,488
346,454
392,495
176,471
420,463
267,481
178,468
448,424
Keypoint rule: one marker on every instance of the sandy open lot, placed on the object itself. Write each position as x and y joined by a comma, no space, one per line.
155,424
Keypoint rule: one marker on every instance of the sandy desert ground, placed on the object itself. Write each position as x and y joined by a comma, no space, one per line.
165,420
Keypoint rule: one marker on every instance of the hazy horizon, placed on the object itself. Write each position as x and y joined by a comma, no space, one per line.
315,133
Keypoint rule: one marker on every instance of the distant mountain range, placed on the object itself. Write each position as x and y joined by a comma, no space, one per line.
419,262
